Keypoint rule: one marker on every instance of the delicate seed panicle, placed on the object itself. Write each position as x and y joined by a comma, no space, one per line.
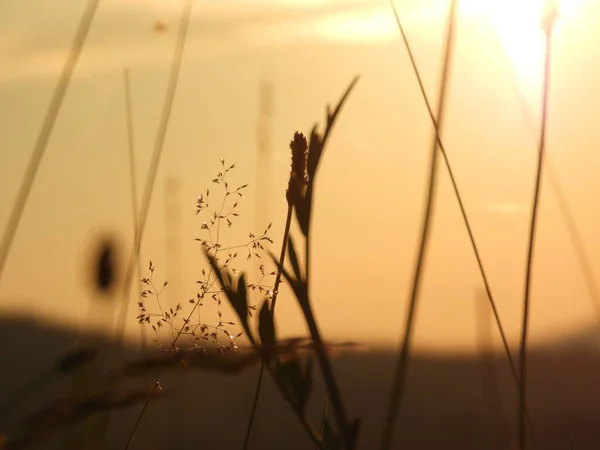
181,319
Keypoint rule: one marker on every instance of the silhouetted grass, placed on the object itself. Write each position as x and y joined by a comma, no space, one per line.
547,24
293,376
286,235
133,183
46,131
156,158
404,356
570,223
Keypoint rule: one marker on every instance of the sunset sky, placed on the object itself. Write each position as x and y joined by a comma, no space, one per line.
370,188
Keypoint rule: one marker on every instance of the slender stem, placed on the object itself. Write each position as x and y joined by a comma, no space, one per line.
312,434
133,182
150,182
328,376
286,235
562,202
307,240
490,387
323,420
532,234
156,157
131,154
505,344
44,136
326,368
257,392
402,364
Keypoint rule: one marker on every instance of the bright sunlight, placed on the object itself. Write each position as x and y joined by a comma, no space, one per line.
518,24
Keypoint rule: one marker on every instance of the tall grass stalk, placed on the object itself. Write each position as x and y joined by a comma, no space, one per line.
348,430
155,162
151,181
486,284
261,373
403,359
99,432
294,379
530,250
323,419
339,411
551,175
491,390
133,182
46,131
132,168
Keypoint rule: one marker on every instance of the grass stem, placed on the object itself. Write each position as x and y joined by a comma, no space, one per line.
133,181
328,376
151,181
566,212
323,420
46,131
286,235
155,162
486,284
530,251
403,359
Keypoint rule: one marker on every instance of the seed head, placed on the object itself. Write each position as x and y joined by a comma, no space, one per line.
299,148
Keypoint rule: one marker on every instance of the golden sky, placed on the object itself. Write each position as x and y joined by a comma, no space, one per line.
371,185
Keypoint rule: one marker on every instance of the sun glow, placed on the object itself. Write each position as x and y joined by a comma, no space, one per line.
518,24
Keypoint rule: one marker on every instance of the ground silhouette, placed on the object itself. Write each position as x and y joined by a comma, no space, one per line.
464,403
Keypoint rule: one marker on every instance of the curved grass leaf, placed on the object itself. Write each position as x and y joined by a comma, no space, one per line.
75,359
215,360
236,295
298,286
317,144
266,328
295,378
302,205
331,439
65,412
294,259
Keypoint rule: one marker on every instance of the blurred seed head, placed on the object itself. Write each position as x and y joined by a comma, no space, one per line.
104,266
75,359
550,13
